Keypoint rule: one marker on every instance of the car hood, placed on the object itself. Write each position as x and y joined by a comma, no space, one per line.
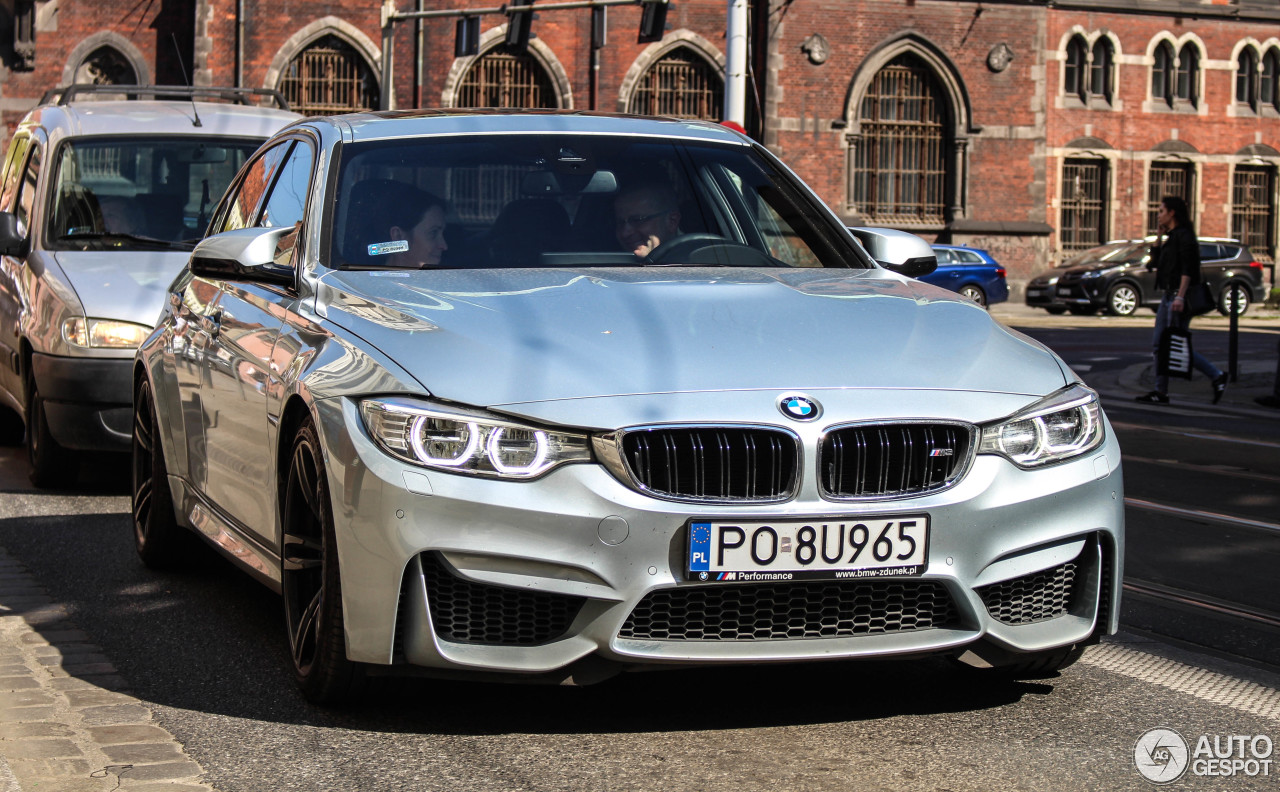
495,337
126,285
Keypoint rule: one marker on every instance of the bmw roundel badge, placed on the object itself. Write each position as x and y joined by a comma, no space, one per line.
799,408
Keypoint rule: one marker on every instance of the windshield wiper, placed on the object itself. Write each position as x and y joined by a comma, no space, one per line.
124,237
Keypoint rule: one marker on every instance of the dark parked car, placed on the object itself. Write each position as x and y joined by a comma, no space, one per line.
1042,290
971,272
1122,283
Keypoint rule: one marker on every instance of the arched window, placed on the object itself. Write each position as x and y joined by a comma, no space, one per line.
504,77
1100,69
329,77
682,84
899,164
1247,78
1085,186
1269,80
1187,85
1073,74
1168,178
106,65
1162,73
1253,208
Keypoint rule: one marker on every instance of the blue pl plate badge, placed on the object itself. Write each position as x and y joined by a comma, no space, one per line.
699,547
383,248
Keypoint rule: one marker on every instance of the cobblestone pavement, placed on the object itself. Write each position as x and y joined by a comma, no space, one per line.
67,721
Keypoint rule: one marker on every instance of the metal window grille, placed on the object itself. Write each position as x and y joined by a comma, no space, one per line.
899,165
681,84
505,78
329,77
1084,190
1167,179
1253,210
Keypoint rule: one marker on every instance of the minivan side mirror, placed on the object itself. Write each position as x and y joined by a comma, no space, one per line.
13,239
245,254
900,251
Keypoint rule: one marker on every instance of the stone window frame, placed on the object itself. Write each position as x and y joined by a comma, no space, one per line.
1195,103
494,38
656,51
1085,97
959,114
106,38
1253,105
317,30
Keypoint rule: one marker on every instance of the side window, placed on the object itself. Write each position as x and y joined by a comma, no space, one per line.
944,255
243,209
12,168
27,188
288,200
1208,251
968,257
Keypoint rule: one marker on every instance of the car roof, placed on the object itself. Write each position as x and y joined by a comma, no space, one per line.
159,118
412,123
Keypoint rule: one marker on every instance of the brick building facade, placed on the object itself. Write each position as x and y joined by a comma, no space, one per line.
1027,128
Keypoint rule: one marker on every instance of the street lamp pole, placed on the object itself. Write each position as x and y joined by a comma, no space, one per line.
735,67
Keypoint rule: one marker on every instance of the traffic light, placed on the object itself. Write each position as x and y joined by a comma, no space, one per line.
466,41
599,26
653,21
519,25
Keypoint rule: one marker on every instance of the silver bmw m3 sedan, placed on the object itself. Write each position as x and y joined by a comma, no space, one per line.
547,396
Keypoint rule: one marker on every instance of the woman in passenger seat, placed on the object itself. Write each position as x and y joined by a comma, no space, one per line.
415,224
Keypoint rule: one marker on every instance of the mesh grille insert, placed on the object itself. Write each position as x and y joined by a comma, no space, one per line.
713,463
892,459
1031,598
466,612
773,612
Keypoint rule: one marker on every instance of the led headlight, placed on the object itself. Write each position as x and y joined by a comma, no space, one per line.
1063,425
463,442
103,333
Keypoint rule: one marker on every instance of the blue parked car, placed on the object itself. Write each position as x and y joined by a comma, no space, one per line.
970,271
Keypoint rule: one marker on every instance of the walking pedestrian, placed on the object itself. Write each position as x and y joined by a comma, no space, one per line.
1177,258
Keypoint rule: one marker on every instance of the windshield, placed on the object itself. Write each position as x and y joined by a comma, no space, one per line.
570,200
136,193
1114,252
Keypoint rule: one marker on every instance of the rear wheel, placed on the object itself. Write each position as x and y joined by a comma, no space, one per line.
1123,299
311,582
51,464
1240,293
160,541
974,293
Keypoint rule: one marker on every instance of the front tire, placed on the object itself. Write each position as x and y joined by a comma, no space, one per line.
1242,298
311,582
160,541
51,464
1056,310
1123,299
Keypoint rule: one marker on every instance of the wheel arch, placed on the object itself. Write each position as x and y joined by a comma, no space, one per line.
296,412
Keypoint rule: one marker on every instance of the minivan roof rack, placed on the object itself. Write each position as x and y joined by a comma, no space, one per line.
65,94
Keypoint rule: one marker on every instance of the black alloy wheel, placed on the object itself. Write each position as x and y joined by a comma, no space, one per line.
160,541
310,580
51,464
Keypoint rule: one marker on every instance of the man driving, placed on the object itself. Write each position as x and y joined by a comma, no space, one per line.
645,216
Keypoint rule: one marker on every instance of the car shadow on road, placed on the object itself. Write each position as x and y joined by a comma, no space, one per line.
210,640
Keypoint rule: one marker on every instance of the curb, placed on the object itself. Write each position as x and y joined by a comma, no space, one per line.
67,722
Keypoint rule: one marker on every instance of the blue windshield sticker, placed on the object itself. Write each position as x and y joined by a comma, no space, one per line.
383,248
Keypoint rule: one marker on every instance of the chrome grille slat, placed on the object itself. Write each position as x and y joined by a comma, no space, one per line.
713,463
892,460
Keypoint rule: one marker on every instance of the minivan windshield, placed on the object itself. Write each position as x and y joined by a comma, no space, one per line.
563,200
139,192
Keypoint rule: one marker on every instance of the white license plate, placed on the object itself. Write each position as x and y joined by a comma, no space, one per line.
827,549
1034,292
1064,292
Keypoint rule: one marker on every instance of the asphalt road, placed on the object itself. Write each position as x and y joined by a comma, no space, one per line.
205,650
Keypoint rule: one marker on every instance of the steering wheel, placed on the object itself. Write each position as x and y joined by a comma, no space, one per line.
683,245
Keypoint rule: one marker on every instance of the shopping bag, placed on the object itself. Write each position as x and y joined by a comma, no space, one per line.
1173,358
1200,299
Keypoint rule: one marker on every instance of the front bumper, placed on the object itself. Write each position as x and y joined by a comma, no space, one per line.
454,573
88,402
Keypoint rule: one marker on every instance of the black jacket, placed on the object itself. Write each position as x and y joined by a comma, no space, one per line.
1178,256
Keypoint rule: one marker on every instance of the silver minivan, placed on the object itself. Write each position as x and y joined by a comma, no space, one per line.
104,195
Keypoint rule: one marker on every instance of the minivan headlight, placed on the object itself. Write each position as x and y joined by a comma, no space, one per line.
463,442
103,333
1063,425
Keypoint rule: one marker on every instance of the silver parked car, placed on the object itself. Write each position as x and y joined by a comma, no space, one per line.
103,200
552,395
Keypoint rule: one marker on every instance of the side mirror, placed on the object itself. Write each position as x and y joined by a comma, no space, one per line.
900,251
246,254
13,239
